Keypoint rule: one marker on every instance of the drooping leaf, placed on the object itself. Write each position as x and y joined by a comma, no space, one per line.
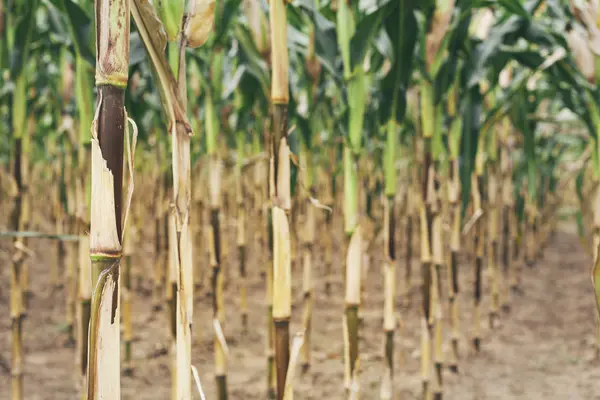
250,57
401,27
155,40
366,30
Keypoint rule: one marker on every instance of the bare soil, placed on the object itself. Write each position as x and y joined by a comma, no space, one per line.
543,347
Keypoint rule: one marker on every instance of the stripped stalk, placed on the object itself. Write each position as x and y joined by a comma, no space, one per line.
330,191
507,221
431,223
389,267
436,287
479,247
454,195
71,292
108,130
127,294
20,213
215,173
241,228
58,216
85,106
279,179
160,256
270,350
313,66
308,248
426,222
171,300
174,93
84,286
492,137
516,239
70,269
493,240
389,317
356,80
411,220
453,281
431,242
20,222
181,160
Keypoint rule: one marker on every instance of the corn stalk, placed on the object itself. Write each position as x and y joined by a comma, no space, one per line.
20,213
356,81
279,183
106,231
241,227
477,190
173,92
454,195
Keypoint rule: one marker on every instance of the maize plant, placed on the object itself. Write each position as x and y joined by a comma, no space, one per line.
333,145
279,190
109,127
19,38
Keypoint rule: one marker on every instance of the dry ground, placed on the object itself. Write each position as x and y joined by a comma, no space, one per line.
543,348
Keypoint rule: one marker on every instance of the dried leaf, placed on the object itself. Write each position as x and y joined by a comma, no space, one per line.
582,53
198,384
201,22
439,27
130,144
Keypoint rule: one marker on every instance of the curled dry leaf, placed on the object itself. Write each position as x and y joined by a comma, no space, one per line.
439,27
68,81
318,204
582,53
258,25
587,12
201,22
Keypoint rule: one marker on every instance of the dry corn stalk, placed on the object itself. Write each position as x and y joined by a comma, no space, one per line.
106,231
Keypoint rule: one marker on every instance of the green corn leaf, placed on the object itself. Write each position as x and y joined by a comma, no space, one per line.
225,12
365,32
513,6
250,57
401,28
79,29
22,43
